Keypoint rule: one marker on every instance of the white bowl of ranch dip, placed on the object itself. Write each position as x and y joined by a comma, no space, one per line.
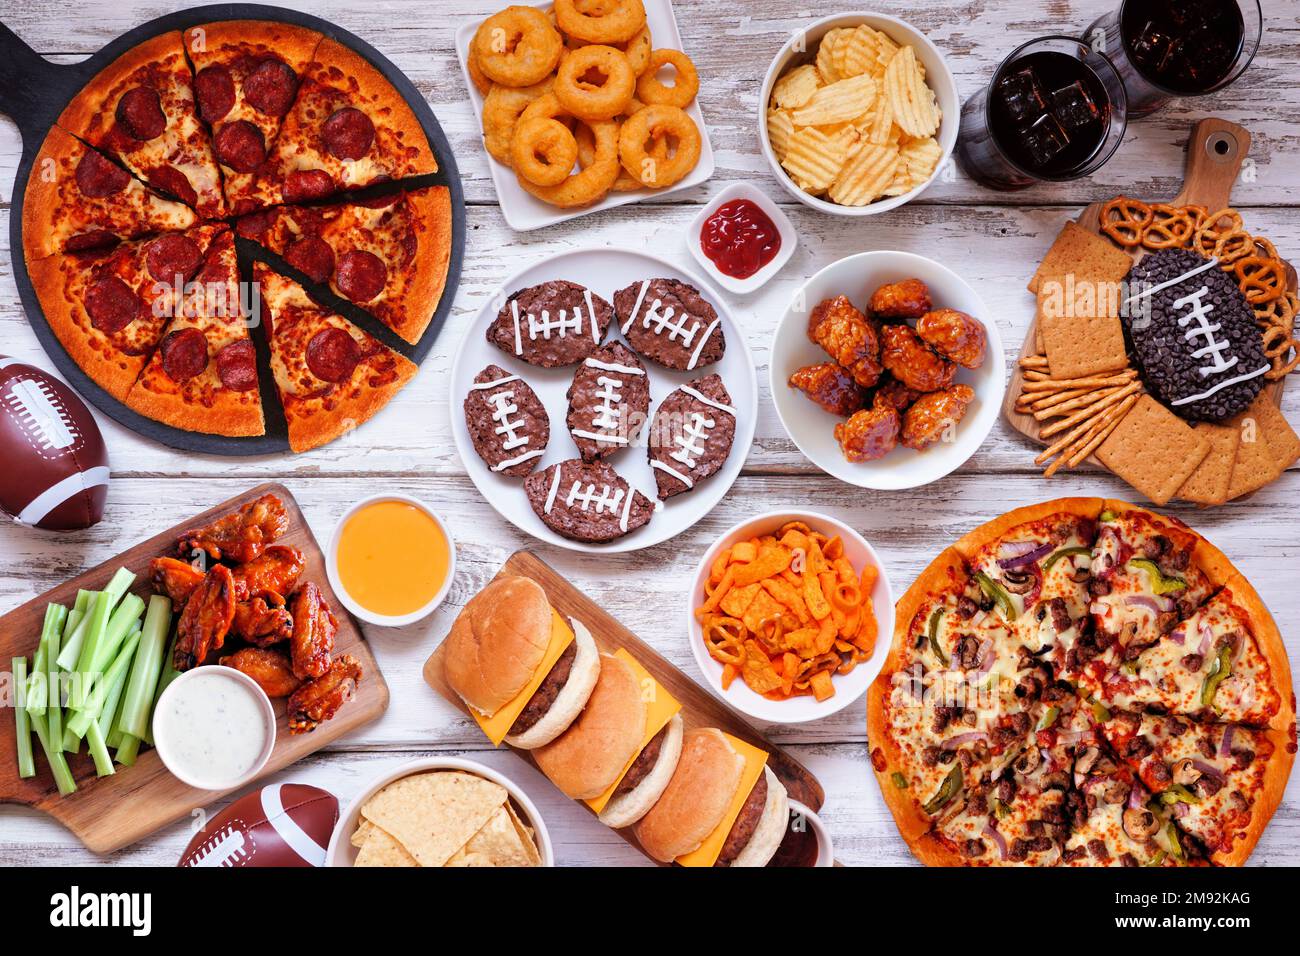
214,728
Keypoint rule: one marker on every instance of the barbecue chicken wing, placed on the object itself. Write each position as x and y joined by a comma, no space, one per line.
270,669
262,624
321,698
912,362
174,578
848,338
272,574
932,415
314,626
830,387
955,335
242,536
870,434
909,299
206,619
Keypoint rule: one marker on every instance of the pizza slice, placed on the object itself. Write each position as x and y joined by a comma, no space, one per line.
108,307
246,76
331,375
348,128
203,375
388,255
1218,781
140,109
78,200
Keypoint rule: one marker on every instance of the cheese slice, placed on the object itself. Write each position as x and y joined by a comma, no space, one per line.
660,706
755,761
498,725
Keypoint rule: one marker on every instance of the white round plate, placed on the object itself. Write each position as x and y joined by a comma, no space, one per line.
604,271
812,429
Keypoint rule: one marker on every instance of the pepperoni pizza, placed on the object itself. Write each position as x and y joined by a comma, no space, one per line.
1083,682
126,227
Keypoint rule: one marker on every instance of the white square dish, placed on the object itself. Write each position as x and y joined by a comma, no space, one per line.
789,238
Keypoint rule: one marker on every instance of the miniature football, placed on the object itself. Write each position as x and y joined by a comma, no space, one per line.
552,324
282,824
669,322
1194,335
587,501
692,435
507,422
55,473
609,401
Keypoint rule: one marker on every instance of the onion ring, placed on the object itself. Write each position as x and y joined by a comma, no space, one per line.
517,46
636,138
595,82
590,184
606,23
637,50
482,82
502,108
652,92
587,154
543,151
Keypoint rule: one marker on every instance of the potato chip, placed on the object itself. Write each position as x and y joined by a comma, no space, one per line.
381,849
922,157
779,129
796,87
837,102
432,815
860,51
910,99
866,176
885,52
877,122
826,54
813,159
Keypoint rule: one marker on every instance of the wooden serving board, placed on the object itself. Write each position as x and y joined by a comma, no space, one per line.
699,707
107,813
1215,153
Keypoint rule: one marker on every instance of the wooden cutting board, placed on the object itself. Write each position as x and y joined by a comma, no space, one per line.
107,813
1215,153
699,707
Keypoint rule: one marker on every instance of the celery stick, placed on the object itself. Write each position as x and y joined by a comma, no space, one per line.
148,667
124,618
83,600
108,720
94,706
99,751
26,764
127,751
91,631
38,697
169,674
54,754
54,676
73,647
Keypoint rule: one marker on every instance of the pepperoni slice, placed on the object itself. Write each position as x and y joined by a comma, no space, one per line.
111,304
237,366
332,354
361,275
173,255
348,133
215,90
255,224
97,177
303,185
184,354
313,256
270,88
240,146
95,239
139,113
171,180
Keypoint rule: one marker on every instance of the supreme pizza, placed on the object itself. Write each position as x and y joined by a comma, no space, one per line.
127,222
1083,683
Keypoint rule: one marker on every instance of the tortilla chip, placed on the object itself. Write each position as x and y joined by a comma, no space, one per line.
498,843
380,849
403,809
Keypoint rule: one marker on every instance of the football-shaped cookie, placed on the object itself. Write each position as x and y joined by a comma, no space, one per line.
283,824
587,501
609,401
553,324
55,473
1194,335
507,422
691,436
669,322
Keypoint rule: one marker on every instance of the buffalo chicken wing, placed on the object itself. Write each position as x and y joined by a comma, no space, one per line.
176,579
270,575
270,669
262,624
320,699
206,619
241,536
314,626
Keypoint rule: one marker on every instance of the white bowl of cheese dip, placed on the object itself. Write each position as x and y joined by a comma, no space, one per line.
214,728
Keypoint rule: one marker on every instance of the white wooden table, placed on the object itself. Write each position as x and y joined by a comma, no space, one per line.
994,240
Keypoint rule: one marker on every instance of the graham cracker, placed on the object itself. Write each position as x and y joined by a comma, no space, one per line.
1084,253
1208,484
1268,446
1079,340
1154,450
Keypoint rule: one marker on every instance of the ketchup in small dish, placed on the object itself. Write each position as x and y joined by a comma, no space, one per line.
740,238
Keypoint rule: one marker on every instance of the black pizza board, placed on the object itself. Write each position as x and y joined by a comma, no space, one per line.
34,91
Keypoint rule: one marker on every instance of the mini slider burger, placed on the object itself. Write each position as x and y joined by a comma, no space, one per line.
523,672
722,807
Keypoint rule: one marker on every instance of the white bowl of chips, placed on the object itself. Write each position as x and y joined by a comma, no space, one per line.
441,811
827,119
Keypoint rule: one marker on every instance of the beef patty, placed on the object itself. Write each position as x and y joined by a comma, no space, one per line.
746,823
644,763
545,695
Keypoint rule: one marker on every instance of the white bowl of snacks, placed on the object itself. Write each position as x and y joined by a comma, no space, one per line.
214,728
734,599
835,78
391,560
441,811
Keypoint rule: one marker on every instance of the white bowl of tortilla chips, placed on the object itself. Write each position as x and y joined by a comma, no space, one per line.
441,811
